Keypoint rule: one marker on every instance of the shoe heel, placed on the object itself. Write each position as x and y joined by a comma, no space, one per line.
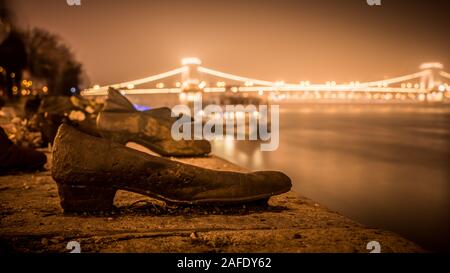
77,198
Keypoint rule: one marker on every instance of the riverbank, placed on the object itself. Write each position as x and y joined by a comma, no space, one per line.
31,220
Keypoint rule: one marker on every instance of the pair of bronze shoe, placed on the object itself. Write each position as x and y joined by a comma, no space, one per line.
90,165
122,123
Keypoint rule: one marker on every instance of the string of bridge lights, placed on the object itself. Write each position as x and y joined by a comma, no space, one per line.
261,86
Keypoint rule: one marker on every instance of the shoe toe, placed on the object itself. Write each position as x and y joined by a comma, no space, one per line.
273,182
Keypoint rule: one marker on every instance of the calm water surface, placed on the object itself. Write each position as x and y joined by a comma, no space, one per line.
386,166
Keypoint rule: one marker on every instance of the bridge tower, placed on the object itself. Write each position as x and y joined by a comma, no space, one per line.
191,84
190,78
431,78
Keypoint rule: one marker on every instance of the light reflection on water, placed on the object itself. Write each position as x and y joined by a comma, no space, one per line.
386,166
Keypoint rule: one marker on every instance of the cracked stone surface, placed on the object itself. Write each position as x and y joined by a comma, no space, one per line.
31,220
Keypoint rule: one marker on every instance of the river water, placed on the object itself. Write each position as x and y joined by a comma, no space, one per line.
386,166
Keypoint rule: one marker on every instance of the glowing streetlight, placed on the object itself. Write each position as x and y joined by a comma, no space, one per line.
202,85
435,65
279,83
191,61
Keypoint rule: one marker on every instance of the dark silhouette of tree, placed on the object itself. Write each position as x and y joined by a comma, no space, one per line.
53,61
13,56
44,54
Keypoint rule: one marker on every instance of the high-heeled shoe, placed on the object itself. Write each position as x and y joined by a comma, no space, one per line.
89,170
121,122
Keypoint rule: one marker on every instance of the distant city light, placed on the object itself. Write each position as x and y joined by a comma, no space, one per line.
435,65
202,85
279,83
191,61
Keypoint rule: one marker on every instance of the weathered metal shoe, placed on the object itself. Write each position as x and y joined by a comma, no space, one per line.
121,122
89,170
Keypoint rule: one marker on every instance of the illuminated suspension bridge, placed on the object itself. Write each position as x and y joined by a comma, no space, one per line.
431,80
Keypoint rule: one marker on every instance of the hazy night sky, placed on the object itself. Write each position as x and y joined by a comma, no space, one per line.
316,40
